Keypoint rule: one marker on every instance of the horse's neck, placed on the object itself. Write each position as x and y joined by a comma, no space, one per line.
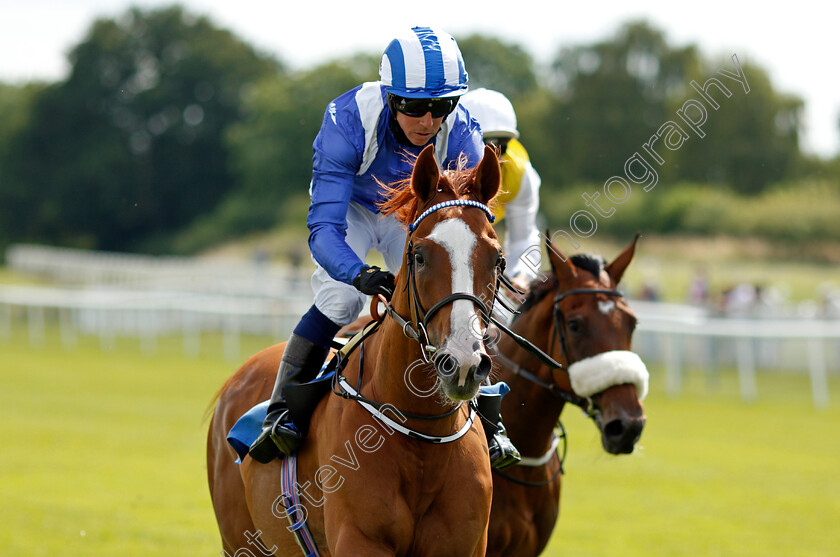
530,412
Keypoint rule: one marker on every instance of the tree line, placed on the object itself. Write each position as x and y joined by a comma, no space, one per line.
169,126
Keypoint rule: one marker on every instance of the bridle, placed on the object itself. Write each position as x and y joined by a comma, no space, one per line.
585,403
417,329
559,318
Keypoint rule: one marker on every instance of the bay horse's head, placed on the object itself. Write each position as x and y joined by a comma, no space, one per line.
451,268
594,328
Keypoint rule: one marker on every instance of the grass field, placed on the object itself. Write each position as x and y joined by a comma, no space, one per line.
104,456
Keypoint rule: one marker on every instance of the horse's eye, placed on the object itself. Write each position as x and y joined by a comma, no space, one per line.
575,325
419,260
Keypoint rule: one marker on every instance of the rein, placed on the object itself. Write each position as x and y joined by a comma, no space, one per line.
585,403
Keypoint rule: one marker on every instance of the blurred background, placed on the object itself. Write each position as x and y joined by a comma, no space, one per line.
154,169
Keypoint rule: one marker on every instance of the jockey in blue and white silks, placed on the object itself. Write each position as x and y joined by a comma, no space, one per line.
357,147
371,135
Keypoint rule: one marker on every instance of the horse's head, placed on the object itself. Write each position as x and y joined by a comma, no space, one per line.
594,330
452,264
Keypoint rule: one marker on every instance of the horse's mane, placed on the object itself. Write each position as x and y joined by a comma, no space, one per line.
539,289
589,262
401,201
547,282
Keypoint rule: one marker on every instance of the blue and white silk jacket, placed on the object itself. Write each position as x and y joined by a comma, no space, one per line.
356,147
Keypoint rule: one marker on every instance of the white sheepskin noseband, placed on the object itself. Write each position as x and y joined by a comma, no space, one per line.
602,371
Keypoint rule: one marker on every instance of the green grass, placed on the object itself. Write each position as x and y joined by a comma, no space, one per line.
714,476
105,451
104,456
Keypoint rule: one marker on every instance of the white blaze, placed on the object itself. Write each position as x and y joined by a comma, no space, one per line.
606,306
459,241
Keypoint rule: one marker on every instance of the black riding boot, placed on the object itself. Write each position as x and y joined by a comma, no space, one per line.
301,362
503,454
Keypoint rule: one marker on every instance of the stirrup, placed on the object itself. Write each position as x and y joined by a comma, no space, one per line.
503,453
285,435
277,439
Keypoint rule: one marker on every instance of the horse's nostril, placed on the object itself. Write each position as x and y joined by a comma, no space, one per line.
482,370
621,435
446,365
614,429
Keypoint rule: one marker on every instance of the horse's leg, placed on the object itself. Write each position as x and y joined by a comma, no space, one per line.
227,491
248,386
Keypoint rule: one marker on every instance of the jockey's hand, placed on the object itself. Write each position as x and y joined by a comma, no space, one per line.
373,281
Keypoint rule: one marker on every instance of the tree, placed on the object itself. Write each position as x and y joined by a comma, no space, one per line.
271,148
608,98
15,114
751,140
506,68
130,145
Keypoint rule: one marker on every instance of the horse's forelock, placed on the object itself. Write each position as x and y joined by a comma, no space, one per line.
544,284
401,202
589,262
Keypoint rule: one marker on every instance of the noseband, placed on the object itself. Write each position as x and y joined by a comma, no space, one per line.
585,403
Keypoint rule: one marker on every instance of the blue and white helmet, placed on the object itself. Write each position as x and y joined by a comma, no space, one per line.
423,63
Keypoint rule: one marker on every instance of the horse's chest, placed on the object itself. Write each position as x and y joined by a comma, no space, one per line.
424,506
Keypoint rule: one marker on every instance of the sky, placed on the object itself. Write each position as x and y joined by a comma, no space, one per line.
797,44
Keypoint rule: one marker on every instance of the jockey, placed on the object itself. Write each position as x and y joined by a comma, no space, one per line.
519,196
364,138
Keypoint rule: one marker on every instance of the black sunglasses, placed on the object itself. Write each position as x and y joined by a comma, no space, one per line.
415,108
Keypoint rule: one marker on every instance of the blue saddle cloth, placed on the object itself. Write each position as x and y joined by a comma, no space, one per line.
247,428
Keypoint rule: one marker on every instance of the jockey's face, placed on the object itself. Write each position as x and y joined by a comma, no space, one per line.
420,129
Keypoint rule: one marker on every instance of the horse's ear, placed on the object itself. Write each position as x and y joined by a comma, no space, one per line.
426,174
562,268
616,269
488,176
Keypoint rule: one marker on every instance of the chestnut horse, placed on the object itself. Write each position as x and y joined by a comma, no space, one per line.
370,490
577,317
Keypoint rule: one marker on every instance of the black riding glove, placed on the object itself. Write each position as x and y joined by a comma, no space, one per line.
373,281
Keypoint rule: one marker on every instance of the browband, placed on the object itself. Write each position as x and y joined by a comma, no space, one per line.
453,203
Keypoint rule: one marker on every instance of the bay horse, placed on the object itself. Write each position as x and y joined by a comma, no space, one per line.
370,490
579,319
